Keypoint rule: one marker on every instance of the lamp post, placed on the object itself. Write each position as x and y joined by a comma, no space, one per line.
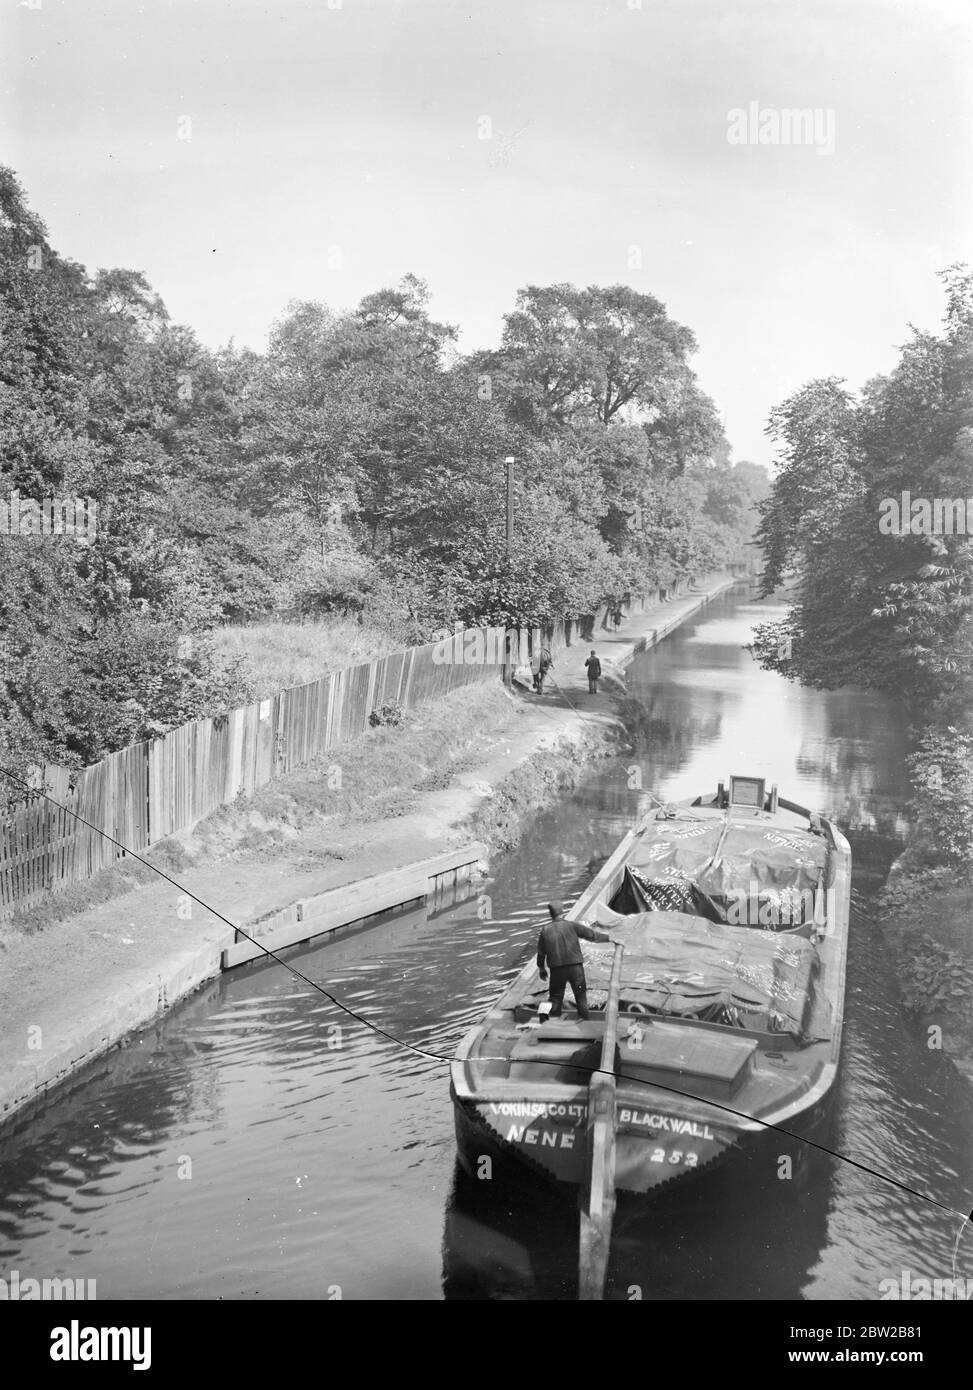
509,465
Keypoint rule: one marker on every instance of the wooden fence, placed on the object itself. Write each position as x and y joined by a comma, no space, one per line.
148,791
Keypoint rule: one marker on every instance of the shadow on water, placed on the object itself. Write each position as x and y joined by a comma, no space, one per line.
520,1240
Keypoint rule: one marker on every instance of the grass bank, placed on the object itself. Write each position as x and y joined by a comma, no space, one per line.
500,821
328,805
277,656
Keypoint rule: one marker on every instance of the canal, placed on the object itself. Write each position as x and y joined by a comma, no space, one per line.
260,1143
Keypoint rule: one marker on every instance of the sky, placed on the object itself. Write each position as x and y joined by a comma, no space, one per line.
244,154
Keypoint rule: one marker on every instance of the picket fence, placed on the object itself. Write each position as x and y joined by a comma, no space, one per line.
148,791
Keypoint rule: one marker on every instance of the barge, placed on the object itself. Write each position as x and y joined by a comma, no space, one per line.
716,1012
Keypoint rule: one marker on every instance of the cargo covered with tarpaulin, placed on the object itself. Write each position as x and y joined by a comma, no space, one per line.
706,1031
694,866
677,964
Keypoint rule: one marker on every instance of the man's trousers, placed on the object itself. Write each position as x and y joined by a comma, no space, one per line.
573,975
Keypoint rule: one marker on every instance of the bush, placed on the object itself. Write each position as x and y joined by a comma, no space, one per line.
942,775
390,714
910,893
937,979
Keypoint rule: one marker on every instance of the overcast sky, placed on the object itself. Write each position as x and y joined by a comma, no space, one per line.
359,127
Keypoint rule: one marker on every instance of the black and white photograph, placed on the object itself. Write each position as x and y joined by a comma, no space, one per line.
486,671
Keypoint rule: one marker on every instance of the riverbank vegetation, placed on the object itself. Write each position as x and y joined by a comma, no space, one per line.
352,470
280,655
870,521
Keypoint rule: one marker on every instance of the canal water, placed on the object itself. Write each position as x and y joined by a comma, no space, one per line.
260,1143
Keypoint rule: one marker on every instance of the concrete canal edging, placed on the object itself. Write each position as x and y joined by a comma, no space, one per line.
326,913
691,605
64,1012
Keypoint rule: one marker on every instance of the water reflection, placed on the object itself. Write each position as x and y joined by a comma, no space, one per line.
722,1238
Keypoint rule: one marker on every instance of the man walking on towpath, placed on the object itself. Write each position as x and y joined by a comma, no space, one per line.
593,667
558,946
544,664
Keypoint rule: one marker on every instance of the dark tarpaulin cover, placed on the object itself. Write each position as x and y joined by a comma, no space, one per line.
773,909
760,854
683,964
675,893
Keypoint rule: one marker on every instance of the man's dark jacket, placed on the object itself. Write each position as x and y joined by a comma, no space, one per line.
558,943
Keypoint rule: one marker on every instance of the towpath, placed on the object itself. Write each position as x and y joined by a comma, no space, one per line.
73,990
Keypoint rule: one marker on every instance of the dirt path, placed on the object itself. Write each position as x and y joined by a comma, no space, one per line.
72,990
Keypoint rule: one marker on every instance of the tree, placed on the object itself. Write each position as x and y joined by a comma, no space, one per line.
90,632
355,466
882,608
597,353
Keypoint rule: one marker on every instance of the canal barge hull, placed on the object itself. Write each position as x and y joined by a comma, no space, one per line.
687,1092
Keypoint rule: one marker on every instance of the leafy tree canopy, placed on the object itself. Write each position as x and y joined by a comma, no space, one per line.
357,466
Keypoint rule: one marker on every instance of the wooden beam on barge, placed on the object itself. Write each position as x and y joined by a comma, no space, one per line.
598,1201
353,902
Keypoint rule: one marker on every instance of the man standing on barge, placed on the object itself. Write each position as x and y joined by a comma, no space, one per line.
559,947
